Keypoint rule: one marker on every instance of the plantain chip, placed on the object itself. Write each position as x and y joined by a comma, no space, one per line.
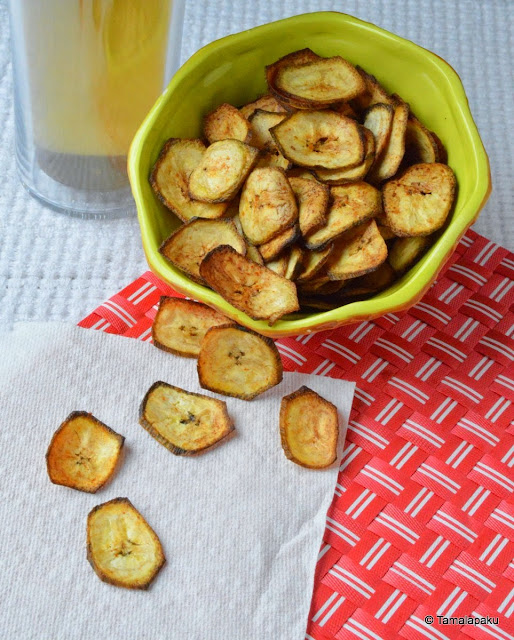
379,119
418,203
180,325
122,548
237,362
357,252
388,162
442,155
266,103
254,254
346,109
301,172
352,204
321,286
385,231
406,251
320,139
274,247
170,180
309,429
354,174
250,287
294,262
314,83
374,93
371,282
222,170
271,157
420,144
312,198
189,244
267,205
185,423
278,266
83,453
261,122
313,262
226,122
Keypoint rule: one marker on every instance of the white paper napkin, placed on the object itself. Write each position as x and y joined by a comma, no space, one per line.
241,525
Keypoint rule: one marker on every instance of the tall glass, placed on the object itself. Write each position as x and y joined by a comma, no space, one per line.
86,72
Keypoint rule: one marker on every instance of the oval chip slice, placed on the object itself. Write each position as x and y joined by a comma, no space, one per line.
122,548
190,243
354,174
406,251
313,262
222,170
352,204
312,198
266,103
420,144
261,122
170,180
274,247
267,206
379,119
358,251
418,203
237,362
226,122
316,83
309,429
83,453
320,139
180,325
387,164
248,286
185,423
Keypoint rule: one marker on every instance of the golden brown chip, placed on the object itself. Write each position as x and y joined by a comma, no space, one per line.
180,325
278,266
185,423
266,103
274,247
190,243
312,198
249,286
420,144
170,180
301,172
226,122
309,429
321,286
357,252
386,165
379,119
406,251
122,548
267,205
354,174
418,203
346,109
442,155
385,232
222,170
83,453
261,122
314,83
294,262
313,262
235,361
374,93
320,139
352,204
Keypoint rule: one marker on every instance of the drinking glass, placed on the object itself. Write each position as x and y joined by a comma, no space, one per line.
85,74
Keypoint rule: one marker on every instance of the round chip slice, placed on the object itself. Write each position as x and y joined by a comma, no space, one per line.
122,548
418,203
185,423
267,206
221,171
237,362
309,429
226,122
83,453
180,325
320,139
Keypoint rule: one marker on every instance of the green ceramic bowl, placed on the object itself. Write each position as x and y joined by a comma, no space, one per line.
232,70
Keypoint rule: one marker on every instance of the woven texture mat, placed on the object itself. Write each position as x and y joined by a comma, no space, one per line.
422,521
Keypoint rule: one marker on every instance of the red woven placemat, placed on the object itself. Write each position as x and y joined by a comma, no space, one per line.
422,521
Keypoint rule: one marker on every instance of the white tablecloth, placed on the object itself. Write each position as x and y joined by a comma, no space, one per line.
53,267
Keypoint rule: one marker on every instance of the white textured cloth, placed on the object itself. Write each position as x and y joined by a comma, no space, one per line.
241,525
55,267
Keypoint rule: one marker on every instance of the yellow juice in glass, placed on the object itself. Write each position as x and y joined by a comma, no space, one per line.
95,68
